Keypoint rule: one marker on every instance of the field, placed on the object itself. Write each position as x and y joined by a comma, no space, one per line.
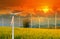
5,32
29,33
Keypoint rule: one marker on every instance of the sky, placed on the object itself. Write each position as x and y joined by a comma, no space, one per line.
30,5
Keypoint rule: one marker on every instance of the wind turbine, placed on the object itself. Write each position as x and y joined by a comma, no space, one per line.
31,15
55,10
55,19
19,20
38,15
2,17
39,19
38,12
31,20
15,12
2,20
46,10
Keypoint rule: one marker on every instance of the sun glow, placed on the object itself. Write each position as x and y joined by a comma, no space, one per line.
45,9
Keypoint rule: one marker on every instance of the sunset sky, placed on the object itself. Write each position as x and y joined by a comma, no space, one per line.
35,7
30,5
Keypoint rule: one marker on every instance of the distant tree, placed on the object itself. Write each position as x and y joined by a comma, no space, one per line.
26,23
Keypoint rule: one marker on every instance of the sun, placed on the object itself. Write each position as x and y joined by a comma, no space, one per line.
45,9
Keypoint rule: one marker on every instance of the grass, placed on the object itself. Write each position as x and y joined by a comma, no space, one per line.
5,33
29,33
36,33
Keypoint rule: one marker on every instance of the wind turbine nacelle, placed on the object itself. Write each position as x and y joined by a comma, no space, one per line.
13,14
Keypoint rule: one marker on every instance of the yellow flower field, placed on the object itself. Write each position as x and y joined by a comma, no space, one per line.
29,33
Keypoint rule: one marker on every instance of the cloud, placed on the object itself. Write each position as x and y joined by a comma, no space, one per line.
29,4
10,3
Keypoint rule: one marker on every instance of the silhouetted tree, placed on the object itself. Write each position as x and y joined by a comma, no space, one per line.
26,23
